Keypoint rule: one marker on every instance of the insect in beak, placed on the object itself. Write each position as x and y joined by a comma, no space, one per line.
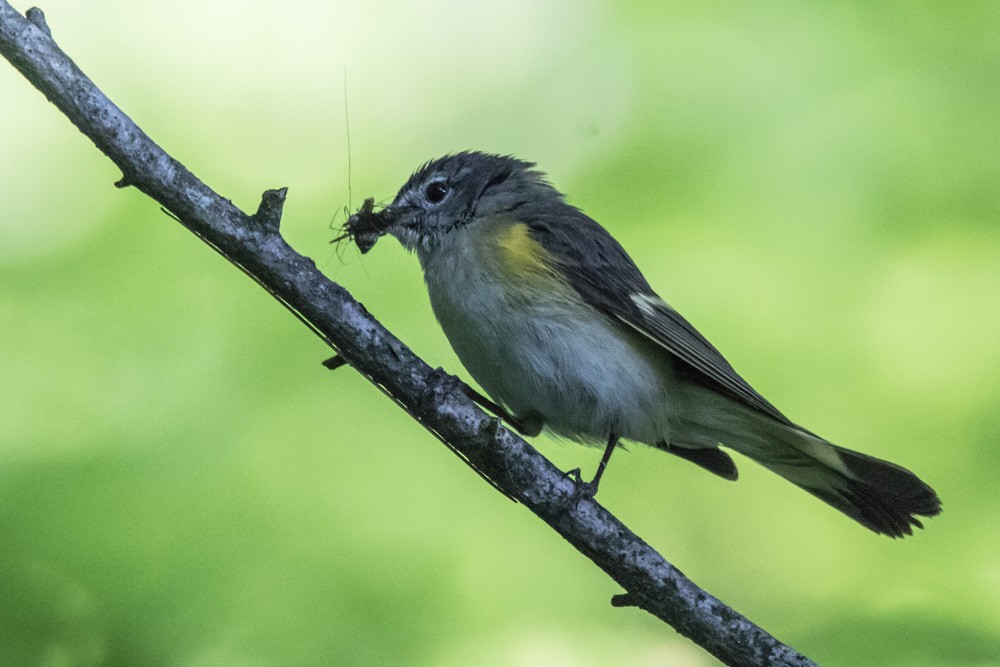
366,226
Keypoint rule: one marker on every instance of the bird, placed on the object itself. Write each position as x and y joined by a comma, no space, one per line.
555,322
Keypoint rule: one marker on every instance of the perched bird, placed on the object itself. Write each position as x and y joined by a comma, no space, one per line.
556,323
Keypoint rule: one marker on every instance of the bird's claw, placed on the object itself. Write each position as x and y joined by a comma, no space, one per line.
583,489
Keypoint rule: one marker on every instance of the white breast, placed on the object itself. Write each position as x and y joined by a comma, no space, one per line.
548,352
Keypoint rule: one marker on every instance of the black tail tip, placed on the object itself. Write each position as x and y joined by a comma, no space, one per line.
885,497
891,515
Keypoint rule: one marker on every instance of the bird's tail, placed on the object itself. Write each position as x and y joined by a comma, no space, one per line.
879,495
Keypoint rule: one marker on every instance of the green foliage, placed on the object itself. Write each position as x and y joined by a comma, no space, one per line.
815,187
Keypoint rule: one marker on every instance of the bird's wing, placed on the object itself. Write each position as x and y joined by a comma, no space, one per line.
602,273
665,326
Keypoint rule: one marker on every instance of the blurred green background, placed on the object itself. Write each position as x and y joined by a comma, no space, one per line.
181,483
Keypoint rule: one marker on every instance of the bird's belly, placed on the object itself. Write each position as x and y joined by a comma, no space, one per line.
566,362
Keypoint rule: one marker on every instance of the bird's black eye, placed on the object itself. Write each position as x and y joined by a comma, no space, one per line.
436,192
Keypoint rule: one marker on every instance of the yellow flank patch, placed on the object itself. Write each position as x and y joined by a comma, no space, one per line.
523,257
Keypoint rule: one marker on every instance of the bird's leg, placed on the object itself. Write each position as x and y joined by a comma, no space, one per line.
530,425
612,443
589,489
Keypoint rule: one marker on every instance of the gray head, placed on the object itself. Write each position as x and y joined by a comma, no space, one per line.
449,193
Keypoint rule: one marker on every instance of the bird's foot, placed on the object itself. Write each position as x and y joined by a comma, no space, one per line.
583,489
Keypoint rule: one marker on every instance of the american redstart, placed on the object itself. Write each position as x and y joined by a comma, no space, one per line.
556,323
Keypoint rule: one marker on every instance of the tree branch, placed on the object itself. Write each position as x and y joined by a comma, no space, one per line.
434,398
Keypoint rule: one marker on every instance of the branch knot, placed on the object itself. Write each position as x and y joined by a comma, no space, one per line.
37,18
268,214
